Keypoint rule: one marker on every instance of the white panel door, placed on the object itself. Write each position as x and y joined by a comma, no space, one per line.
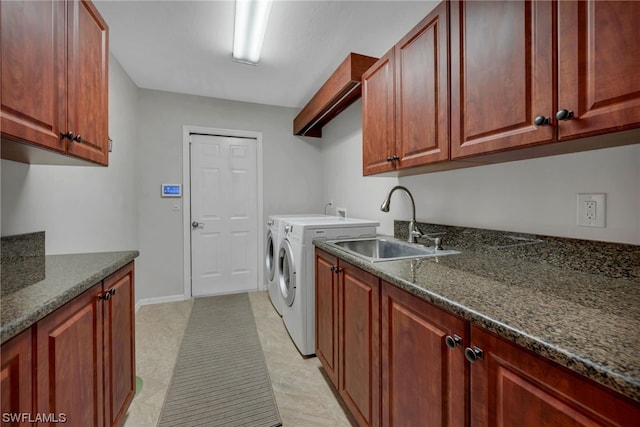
224,215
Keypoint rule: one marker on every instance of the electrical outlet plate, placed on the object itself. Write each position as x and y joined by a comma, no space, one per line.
591,210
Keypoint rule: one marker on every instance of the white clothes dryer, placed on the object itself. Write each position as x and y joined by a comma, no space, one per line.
296,271
274,235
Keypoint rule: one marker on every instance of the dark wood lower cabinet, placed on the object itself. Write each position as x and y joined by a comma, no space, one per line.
424,382
85,373
401,362
327,314
119,345
16,378
70,363
348,334
359,358
511,386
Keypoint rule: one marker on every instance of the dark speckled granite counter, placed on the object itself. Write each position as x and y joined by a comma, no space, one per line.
587,322
65,277
21,261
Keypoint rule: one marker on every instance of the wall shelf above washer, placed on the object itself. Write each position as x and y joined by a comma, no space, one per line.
342,89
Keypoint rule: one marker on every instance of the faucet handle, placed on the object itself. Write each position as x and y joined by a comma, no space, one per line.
437,241
414,232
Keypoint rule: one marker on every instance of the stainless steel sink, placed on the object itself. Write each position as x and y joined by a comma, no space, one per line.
386,249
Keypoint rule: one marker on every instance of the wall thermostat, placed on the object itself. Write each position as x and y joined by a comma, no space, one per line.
171,190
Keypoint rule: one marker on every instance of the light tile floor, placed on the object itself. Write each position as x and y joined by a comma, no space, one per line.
302,393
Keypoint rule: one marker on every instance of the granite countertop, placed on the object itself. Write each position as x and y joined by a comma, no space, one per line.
586,322
64,278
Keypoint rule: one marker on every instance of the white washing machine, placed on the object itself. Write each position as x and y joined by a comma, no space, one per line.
296,271
275,226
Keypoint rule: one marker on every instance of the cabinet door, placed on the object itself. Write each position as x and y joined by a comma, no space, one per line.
359,347
33,71
378,116
422,92
16,378
327,314
88,81
598,65
70,361
501,75
423,381
119,345
511,386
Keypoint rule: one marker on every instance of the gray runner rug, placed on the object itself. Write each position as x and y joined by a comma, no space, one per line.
220,377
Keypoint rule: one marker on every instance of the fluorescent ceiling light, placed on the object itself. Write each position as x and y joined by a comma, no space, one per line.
251,23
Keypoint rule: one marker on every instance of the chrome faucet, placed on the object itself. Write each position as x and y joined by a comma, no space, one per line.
414,231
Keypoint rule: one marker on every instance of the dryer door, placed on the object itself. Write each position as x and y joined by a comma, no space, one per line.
269,259
286,273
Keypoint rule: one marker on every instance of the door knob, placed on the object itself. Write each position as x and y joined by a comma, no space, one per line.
564,115
473,354
541,121
453,341
67,135
195,224
77,139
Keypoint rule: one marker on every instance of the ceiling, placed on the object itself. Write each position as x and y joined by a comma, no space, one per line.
185,46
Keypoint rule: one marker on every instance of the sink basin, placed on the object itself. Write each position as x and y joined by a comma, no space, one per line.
384,249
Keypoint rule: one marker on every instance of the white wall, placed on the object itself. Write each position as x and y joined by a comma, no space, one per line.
81,208
531,196
343,180
288,161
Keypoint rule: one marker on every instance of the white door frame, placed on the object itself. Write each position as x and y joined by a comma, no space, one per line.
186,196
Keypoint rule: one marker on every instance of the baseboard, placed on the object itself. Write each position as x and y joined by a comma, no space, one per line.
159,300
175,298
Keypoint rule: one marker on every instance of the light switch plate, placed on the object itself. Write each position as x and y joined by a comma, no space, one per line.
592,210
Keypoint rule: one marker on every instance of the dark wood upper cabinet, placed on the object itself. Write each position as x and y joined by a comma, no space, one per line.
527,73
54,82
422,92
598,66
88,82
378,116
34,81
405,106
481,82
501,75
340,90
